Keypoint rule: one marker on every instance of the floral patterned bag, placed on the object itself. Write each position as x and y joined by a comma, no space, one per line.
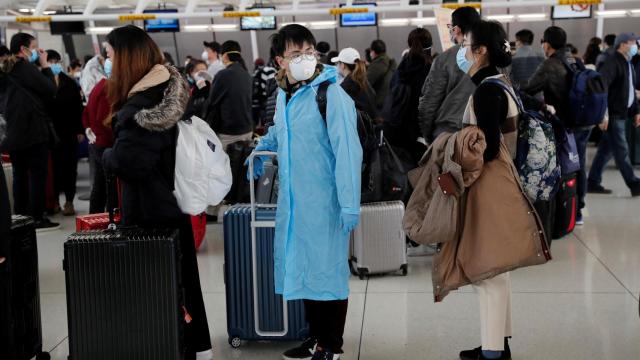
536,158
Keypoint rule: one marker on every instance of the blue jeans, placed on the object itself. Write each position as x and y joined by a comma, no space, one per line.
582,139
614,145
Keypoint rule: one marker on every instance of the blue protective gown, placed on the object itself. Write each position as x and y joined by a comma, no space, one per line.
319,170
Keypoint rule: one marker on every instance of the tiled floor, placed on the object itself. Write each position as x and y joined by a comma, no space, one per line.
582,305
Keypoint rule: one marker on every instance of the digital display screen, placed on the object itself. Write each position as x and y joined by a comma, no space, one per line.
359,19
258,22
162,25
571,12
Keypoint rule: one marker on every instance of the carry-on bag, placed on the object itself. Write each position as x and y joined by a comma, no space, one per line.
267,185
378,244
20,321
254,310
124,293
199,226
566,207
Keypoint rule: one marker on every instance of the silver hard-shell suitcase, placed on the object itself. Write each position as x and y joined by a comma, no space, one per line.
378,244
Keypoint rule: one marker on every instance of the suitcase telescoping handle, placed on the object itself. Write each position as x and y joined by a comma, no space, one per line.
255,224
112,199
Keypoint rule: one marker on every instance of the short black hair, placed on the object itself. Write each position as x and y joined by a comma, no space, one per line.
214,45
4,51
464,18
378,46
610,40
572,49
293,34
556,37
323,47
75,63
18,41
230,45
192,65
525,36
53,55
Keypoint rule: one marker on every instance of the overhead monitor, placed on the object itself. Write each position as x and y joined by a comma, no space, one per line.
561,12
359,19
162,25
67,27
258,22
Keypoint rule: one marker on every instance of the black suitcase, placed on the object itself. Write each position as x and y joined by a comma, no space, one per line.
20,321
566,208
124,298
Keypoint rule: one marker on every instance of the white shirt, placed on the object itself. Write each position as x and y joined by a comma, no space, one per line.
215,68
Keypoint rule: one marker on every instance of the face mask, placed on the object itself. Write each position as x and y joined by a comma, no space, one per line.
463,63
190,80
34,56
205,56
303,70
601,47
108,66
633,51
56,68
77,75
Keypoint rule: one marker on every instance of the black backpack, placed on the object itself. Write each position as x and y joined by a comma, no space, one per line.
384,176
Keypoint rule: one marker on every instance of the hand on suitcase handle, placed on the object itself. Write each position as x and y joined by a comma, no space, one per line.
258,168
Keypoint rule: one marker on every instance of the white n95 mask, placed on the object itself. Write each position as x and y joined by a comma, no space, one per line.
303,70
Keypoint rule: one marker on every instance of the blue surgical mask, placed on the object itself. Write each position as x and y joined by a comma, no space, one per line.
108,66
191,81
56,68
633,51
463,63
34,56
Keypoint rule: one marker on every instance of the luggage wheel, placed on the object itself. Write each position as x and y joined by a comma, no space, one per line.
363,273
235,342
405,269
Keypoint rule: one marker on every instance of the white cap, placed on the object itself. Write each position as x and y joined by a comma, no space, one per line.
347,56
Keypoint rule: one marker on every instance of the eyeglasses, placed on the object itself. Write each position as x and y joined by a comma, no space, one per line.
297,58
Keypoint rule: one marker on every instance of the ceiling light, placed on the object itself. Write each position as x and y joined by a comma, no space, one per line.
505,17
210,27
394,22
532,17
612,13
322,24
99,30
635,12
423,21
293,23
50,12
26,10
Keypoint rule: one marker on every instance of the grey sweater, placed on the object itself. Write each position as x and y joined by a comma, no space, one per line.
445,94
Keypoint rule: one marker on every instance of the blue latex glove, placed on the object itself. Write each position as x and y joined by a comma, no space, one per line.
348,222
258,168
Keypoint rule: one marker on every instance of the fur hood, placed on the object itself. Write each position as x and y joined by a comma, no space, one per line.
171,108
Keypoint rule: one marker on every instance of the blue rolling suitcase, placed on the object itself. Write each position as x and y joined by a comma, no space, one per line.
254,310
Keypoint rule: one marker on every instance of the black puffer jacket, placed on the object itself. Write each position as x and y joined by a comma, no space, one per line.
29,94
197,101
143,155
228,110
66,112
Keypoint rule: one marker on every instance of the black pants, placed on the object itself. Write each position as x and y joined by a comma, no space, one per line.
30,167
326,323
196,336
5,220
98,200
65,168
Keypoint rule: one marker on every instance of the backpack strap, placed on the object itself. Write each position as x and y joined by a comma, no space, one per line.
321,99
509,90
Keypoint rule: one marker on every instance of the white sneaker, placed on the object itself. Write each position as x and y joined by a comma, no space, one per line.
205,355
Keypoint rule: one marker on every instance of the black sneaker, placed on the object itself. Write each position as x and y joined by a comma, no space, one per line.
598,189
325,355
45,225
304,351
635,190
476,353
